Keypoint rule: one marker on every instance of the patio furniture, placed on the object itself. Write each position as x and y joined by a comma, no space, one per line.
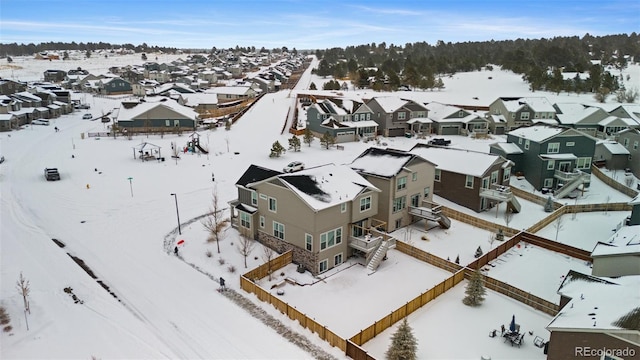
538,342
492,333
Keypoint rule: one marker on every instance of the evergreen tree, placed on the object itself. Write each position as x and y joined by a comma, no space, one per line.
294,143
327,140
478,252
308,136
312,86
88,54
404,344
9,59
276,149
457,260
475,290
548,206
143,57
65,55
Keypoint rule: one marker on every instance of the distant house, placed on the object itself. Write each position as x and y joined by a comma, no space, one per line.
328,116
8,122
521,111
597,315
452,120
231,93
8,87
314,212
404,179
590,120
552,157
393,113
54,76
115,86
163,116
475,180
630,139
200,102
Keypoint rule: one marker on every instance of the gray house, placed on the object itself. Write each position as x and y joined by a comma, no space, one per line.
165,115
630,139
521,111
323,214
611,155
392,114
452,120
552,157
115,86
329,116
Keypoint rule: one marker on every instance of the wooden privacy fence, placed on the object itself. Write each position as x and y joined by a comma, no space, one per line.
613,183
598,207
548,220
538,199
494,253
247,284
477,222
427,257
403,311
556,246
517,294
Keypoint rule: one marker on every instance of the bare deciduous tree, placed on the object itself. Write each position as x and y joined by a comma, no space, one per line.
215,222
267,255
508,216
558,225
245,247
24,289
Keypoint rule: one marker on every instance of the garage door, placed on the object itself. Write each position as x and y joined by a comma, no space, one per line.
449,130
345,136
396,132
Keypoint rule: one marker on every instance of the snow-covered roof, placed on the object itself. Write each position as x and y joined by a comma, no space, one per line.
381,162
390,103
567,156
458,161
419,120
598,305
126,113
439,112
537,133
625,241
613,147
199,98
508,148
232,90
635,200
360,124
325,186
537,104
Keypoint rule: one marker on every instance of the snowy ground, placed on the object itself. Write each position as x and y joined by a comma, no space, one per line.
447,329
114,213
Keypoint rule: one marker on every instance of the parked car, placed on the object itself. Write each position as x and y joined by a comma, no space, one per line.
40,122
293,167
87,116
51,174
83,106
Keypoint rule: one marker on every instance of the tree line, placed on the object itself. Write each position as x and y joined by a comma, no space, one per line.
15,49
541,62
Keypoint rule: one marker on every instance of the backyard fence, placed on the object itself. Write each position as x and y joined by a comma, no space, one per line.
613,183
427,257
548,220
538,199
247,283
477,222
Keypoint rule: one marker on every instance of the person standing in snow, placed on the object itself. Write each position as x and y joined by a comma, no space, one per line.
175,250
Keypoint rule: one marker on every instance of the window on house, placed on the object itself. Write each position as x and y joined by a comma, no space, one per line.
245,220
308,240
414,176
524,115
469,182
167,123
526,145
368,116
278,230
398,223
322,266
427,191
401,183
625,142
262,221
494,177
365,203
337,260
551,164
635,145
437,174
356,117
583,163
506,174
343,207
399,203
519,141
553,148
254,198
415,200
176,123
548,183
330,238
402,115
569,144
273,204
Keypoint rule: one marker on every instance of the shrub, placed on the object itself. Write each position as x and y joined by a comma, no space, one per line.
209,253
7,328
4,316
231,269
221,261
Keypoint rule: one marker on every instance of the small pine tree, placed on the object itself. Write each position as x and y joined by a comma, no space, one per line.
313,86
548,206
475,290
294,143
143,57
5,318
478,252
88,54
9,59
404,344
308,136
327,140
276,149
457,260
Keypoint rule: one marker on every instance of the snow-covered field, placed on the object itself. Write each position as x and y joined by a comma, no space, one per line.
114,213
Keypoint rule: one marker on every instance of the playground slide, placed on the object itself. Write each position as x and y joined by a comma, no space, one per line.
201,149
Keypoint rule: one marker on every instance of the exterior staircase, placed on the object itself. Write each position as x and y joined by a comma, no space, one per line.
514,205
378,255
577,178
434,214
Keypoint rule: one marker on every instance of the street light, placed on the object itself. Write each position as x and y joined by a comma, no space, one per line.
177,213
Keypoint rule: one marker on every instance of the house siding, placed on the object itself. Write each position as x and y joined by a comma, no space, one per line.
634,154
563,345
614,266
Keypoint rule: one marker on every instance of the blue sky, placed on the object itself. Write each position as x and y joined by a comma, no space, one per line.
309,24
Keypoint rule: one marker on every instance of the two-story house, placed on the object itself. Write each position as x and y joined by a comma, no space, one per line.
552,157
405,181
115,86
475,180
630,139
392,114
323,214
8,87
330,116
521,111
452,120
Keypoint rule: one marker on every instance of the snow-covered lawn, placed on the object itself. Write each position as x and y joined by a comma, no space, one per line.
584,230
622,177
520,267
447,329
